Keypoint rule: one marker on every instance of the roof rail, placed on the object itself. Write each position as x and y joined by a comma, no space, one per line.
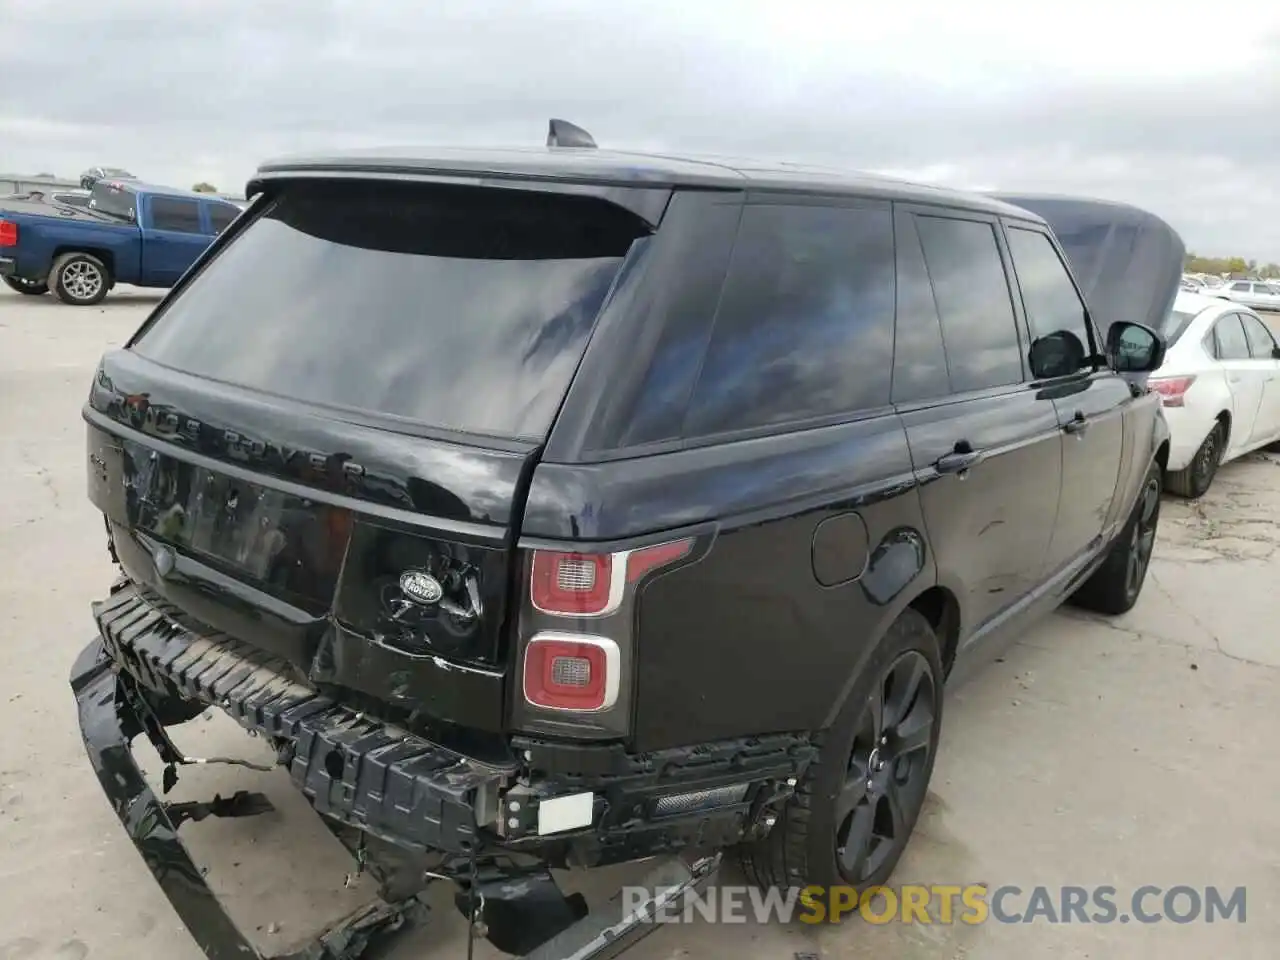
562,133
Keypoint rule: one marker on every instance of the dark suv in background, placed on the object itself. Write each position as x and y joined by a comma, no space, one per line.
564,507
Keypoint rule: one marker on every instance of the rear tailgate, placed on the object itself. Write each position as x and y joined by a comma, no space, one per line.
319,444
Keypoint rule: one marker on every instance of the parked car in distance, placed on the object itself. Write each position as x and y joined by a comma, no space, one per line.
94,174
1220,388
569,507
1258,294
128,232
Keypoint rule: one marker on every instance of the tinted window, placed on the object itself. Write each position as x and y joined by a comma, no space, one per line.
1060,341
1240,286
113,200
919,361
1232,343
221,215
972,293
460,307
805,324
1261,344
170,213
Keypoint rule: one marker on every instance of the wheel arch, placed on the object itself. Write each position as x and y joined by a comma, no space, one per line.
940,608
106,257
1224,418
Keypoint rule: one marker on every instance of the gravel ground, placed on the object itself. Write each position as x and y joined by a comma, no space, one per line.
1127,752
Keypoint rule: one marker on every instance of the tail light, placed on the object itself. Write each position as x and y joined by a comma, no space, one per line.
564,671
8,233
1172,390
579,624
593,584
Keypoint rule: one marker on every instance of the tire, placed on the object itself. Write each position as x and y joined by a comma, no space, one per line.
1194,480
79,279
1116,585
30,288
806,846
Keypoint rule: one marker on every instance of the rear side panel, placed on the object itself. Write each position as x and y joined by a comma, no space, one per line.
747,638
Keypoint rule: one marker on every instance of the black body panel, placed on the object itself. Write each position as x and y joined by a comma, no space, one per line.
989,526
243,512
750,623
373,459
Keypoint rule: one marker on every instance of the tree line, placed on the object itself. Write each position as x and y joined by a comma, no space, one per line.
1196,263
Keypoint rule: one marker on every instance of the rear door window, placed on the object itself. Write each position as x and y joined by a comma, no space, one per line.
979,330
173,213
463,308
805,324
1232,342
1261,344
1060,340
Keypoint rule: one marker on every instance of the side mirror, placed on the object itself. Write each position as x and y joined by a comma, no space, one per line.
1134,348
1275,353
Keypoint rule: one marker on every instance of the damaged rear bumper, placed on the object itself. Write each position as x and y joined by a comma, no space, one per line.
109,723
356,771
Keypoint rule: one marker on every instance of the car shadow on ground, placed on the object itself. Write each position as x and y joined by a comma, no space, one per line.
127,299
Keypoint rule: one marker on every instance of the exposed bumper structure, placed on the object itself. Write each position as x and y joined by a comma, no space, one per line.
379,785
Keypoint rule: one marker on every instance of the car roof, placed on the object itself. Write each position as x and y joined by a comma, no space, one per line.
138,187
622,168
1197,303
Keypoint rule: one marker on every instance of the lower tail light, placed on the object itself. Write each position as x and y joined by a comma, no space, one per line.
1172,390
579,613
565,671
8,233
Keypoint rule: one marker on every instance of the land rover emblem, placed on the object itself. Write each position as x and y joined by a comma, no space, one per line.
420,588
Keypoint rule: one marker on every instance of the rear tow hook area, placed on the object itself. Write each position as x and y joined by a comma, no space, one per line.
519,909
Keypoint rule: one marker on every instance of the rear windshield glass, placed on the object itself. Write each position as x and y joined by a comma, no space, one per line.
113,200
1176,325
464,308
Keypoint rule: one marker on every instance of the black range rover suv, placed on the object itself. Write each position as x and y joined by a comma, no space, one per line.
565,507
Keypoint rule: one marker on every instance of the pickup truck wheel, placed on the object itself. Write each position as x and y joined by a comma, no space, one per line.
79,279
31,288
1194,480
1114,587
852,814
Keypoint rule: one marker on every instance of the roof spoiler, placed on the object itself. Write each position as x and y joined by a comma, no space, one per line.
562,133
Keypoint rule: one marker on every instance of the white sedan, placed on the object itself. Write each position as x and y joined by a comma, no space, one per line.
1220,388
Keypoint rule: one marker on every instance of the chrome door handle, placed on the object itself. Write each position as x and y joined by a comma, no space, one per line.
1077,424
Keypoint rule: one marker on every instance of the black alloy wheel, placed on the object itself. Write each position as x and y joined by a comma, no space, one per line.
1205,464
1142,539
889,769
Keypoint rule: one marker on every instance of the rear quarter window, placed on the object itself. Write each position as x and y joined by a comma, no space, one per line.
804,329
463,308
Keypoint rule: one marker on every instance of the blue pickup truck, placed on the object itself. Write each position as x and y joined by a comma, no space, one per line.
129,232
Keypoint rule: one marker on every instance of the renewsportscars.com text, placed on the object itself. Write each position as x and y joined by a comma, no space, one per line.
948,904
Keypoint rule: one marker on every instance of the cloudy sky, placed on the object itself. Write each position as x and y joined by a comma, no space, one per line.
1126,99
